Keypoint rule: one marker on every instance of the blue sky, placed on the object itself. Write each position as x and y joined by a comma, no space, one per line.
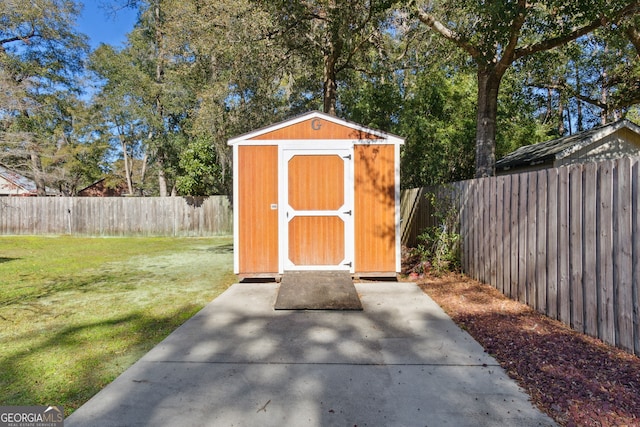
103,26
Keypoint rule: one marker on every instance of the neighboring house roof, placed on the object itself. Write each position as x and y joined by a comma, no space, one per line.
100,189
12,183
557,149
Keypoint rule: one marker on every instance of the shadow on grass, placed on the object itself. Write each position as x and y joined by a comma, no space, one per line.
89,283
88,358
221,249
3,259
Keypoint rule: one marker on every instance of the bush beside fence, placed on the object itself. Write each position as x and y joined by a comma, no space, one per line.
117,216
565,241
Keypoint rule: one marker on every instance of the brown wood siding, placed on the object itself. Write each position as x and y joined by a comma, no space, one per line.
315,129
374,208
258,223
316,182
316,240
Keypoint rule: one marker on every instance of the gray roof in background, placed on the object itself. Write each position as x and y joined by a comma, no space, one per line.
560,148
18,180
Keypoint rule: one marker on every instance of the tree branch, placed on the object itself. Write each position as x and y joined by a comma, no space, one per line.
516,26
633,33
24,38
551,43
429,20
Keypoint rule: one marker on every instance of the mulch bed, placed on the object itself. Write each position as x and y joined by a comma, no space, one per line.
575,379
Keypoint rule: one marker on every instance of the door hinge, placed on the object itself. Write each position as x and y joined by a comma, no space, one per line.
347,212
348,157
350,264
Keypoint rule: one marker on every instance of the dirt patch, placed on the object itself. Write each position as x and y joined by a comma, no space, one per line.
575,379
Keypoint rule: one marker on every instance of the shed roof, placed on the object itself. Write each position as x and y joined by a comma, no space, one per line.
560,148
359,132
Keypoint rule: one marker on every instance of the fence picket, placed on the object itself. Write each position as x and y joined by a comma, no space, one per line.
532,245
575,248
604,253
506,241
622,266
589,278
635,231
522,239
513,280
564,295
552,244
499,234
492,232
541,243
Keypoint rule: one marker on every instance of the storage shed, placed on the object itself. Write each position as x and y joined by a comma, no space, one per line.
316,193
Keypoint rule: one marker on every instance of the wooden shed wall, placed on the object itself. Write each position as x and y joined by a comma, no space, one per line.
258,223
314,129
374,208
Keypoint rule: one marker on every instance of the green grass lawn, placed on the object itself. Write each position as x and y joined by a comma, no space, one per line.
76,312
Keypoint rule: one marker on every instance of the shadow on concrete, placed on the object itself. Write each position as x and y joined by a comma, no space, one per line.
401,361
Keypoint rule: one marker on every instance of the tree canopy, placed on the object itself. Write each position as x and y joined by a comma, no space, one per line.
464,82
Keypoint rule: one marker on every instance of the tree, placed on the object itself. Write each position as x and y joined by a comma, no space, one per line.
191,75
40,58
122,109
497,34
330,34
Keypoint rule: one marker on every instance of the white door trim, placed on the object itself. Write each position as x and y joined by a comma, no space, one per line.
321,147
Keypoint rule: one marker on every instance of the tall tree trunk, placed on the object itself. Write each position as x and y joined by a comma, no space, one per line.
143,172
488,87
561,128
162,178
330,74
330,86
127,165
159,133
38,176
578,102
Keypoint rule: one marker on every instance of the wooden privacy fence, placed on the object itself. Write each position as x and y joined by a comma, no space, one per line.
117,216
565,241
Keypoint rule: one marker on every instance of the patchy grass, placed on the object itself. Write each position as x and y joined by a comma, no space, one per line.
76,312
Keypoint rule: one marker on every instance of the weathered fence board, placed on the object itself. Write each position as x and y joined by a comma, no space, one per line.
566,241
541,240
499,233
575,248
604,249
564,293
590,259
532,244
635,232
622,268
117,216
552,244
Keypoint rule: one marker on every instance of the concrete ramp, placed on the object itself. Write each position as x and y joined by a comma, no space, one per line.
317,290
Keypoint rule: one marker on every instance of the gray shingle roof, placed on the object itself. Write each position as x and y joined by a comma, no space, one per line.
18,180
560,148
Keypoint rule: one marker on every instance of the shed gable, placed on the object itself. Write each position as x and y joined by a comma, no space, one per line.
315,128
